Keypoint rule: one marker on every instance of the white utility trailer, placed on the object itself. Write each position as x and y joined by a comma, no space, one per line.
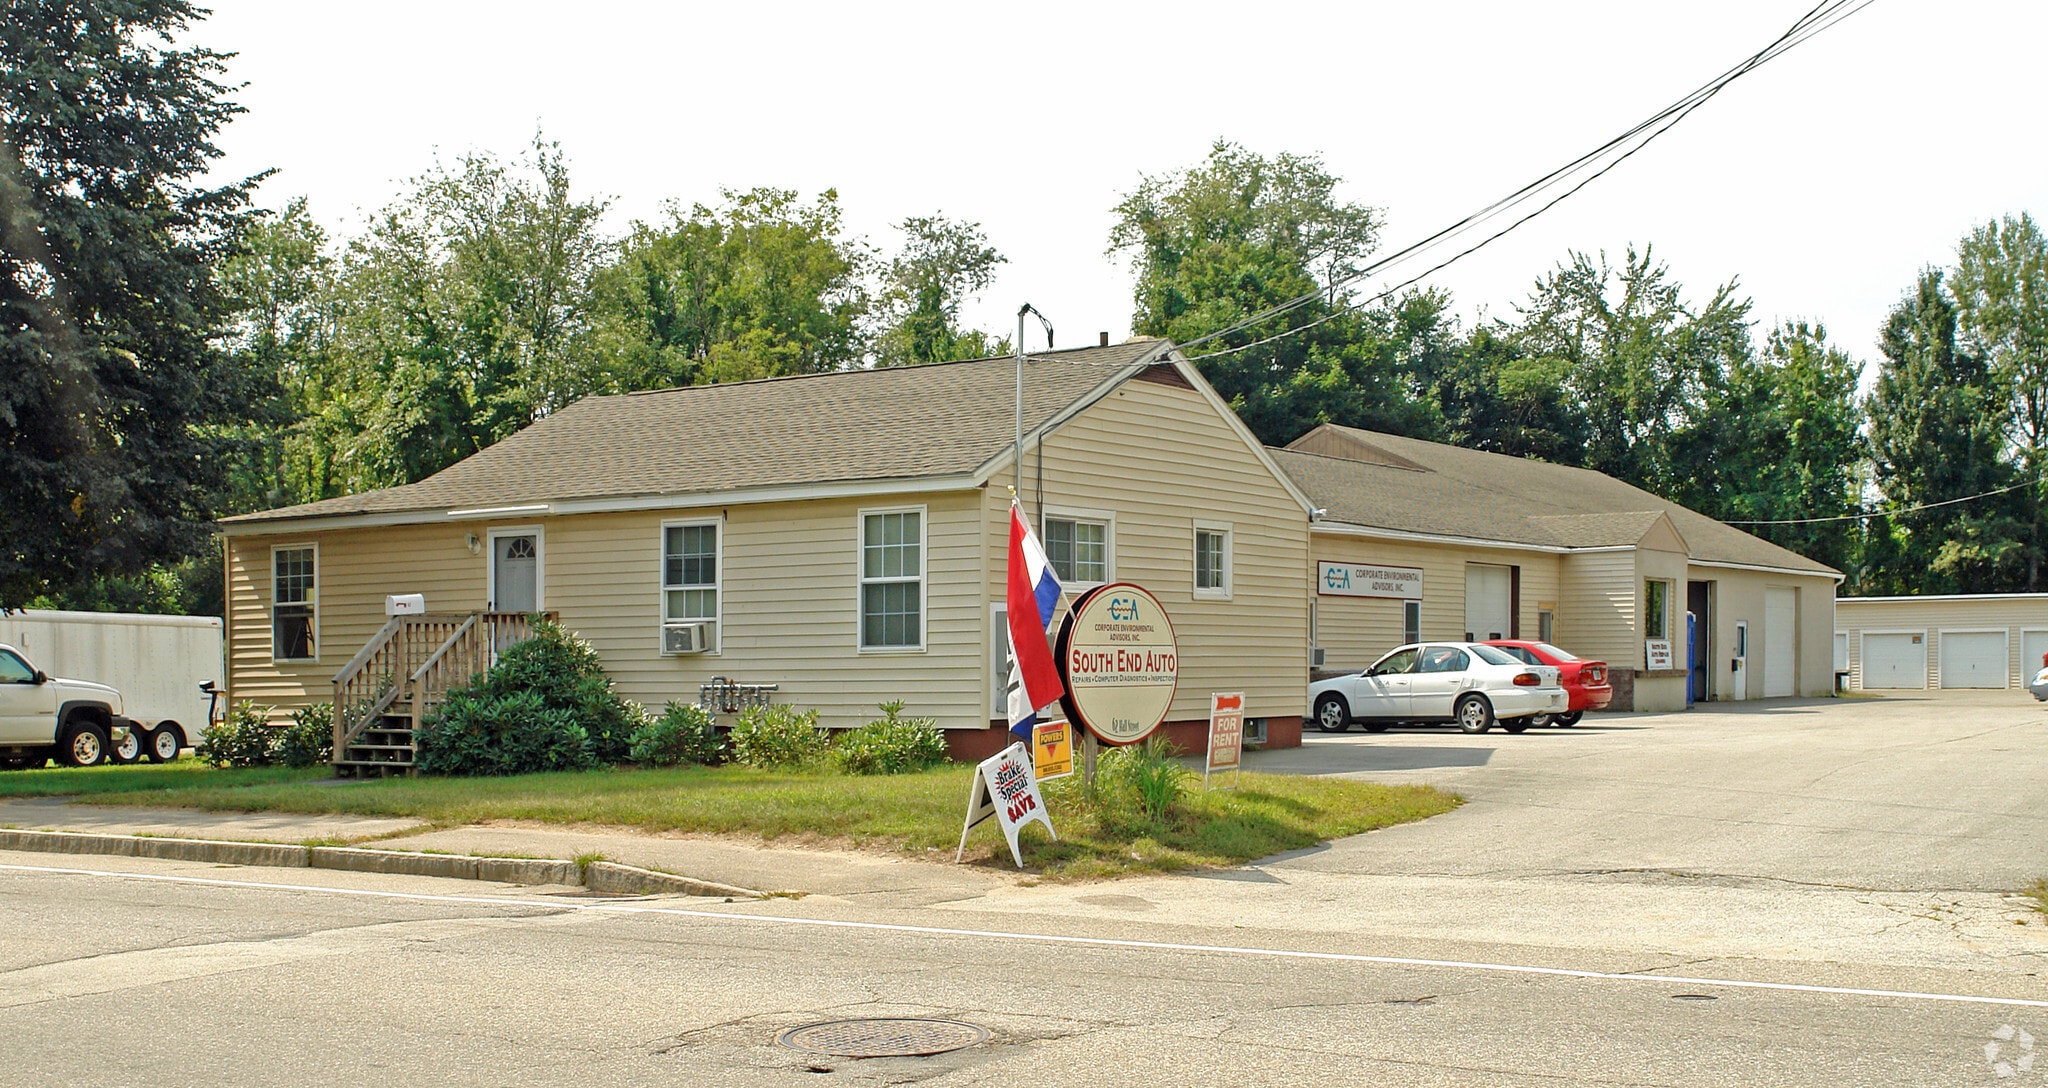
157,663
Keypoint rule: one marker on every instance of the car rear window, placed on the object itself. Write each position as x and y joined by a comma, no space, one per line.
1552,651
1494,655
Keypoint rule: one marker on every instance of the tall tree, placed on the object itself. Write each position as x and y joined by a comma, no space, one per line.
943,264
1789,443
1641,362
2001,291
1938,428
1241,233
1493,397
464,312
108,305
760,286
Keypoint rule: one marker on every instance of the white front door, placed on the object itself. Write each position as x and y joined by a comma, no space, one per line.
515,571
1973,659
1781,642
1489,606
1895,660
1738,671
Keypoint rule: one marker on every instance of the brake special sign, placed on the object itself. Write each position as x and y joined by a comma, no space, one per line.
1121,663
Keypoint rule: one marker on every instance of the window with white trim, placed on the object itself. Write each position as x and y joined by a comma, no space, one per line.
1078,549
1212,560
1411,621
689,573
892,580
1656,608
294,594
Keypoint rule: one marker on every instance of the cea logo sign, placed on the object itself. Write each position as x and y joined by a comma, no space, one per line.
1123,609
1336,577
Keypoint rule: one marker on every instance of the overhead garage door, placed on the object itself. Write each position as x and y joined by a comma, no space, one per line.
1894,661
1973,659
1489,608
2032,645
1781,642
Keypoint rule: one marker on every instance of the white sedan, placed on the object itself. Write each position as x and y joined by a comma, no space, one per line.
2040,685
1462,682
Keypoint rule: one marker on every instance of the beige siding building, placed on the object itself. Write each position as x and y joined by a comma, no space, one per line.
841,536
1984,640
1477,545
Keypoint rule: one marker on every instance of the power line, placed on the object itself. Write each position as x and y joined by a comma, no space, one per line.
1818,19
1885,513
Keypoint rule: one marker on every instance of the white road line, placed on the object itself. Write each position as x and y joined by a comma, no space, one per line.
1046,938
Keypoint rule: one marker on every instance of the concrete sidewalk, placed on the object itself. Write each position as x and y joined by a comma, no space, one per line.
713,866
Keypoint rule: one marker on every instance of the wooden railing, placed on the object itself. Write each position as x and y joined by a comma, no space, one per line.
412,662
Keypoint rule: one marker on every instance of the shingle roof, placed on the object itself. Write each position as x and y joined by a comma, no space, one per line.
936,420
1384,481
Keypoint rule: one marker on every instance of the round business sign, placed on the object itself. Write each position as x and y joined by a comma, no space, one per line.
1120,662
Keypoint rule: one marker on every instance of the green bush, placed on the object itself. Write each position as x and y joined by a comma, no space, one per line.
1143,779
777,736
685,733
309,740
245,738
892,744
546,705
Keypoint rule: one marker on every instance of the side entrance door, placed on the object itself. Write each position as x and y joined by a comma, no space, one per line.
515,570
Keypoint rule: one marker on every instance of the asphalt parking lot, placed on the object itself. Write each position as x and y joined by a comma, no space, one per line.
1935,791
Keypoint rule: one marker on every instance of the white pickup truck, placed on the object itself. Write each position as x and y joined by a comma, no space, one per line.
78,722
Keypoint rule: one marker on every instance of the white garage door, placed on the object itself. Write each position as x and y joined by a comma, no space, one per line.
1488,613
2032,645
1973,659
1781,642
1894,661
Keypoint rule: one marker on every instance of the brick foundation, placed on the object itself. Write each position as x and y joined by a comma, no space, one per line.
1191,737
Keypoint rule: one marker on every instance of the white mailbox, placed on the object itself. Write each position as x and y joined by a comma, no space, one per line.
405,604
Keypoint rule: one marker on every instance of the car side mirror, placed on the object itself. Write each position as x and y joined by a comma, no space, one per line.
40,677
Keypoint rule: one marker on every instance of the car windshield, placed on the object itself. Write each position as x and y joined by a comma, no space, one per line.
1552,652
1495,655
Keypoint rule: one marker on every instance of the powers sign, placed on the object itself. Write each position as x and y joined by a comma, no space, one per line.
1117,652
1368,580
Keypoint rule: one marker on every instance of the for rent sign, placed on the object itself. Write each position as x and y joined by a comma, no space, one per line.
1121,662
1367,580
1226,732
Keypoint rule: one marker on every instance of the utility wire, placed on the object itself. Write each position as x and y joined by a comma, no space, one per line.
1821,17
1885,513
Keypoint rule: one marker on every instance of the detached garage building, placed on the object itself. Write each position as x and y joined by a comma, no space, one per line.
1416,540
1988,640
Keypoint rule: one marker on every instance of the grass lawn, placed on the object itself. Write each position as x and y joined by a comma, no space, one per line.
1264,815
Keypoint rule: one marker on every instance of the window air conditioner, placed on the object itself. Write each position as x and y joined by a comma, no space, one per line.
1315,657
693,637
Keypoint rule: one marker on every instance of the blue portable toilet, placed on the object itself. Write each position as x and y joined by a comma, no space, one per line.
1692,627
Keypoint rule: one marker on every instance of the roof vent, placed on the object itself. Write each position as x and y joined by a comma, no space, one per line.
1104,342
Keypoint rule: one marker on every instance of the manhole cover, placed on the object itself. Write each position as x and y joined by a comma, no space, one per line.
893,1037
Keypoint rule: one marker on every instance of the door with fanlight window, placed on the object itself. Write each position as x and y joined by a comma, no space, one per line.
515,570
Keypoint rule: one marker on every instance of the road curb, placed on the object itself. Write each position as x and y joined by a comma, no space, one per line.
605,877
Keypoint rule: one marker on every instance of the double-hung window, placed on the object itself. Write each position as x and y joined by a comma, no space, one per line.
1656,608
689,574
294,596
1078,549
1212,560
892,579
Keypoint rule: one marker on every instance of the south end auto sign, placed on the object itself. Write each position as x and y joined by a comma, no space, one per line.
1121,663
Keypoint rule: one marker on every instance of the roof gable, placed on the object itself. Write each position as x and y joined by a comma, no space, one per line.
1408,485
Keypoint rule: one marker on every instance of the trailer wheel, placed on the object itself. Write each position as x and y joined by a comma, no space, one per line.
83,744
163,744
129,750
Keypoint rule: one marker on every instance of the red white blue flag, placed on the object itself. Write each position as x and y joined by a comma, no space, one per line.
1033,596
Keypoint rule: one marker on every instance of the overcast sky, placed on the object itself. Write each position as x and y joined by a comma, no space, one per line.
1823,181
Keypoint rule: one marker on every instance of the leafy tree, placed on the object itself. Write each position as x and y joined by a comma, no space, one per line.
2001,292
762,285
463,314
941,266
1640,363
1493,397
1789,436
108,307
1938,427
1241,233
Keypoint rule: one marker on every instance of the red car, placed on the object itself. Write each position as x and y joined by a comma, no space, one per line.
1584,681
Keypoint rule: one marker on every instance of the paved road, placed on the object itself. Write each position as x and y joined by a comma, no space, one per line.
1766,860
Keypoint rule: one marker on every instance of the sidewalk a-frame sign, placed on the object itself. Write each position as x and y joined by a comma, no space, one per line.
1005,788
